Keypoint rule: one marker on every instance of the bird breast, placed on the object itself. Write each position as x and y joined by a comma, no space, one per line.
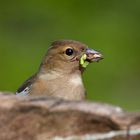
68,87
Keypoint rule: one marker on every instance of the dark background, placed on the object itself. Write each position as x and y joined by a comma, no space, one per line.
110,26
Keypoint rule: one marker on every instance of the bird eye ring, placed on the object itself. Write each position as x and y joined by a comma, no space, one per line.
69,51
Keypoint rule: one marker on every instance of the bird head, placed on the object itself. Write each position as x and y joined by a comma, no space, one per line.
69,56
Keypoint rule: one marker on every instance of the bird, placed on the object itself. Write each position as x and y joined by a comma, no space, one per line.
60,72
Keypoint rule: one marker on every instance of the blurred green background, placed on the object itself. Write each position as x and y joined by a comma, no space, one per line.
112,27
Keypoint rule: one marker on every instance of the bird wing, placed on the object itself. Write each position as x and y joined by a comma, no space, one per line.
25,88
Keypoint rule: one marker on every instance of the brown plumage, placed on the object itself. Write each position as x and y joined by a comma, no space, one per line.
60,73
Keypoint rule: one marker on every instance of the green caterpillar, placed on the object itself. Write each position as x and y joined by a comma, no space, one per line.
83,61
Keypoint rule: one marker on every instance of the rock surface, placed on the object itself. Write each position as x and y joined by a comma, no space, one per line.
43,118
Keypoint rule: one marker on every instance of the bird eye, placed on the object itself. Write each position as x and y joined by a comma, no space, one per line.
69,51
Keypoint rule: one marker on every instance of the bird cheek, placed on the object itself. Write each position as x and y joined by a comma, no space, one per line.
68,58
78,57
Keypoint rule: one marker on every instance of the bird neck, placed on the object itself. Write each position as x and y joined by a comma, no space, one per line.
57,73
50,65
61,70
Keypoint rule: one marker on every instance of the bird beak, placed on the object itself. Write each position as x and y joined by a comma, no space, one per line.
93,56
